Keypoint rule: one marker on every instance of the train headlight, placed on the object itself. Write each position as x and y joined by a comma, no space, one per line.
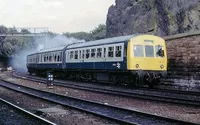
161,66
137,65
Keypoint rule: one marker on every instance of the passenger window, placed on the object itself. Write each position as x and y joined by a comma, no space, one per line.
83,54
138,51
149,51
60,56
160,51
87,53
110,51
79,54
58,59
99,51
41,58
55,58
76,55
118,51
93,51
104,54
71,54
44,58
50,58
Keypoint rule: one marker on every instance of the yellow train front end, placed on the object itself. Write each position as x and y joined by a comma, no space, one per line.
147,59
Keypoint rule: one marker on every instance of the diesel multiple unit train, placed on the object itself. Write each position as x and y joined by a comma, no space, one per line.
134,60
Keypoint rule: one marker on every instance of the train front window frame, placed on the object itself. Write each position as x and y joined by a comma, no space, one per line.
159,51
138,50
149,51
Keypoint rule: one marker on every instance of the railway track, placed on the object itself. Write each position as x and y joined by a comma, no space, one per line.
165,95
120,115
18,116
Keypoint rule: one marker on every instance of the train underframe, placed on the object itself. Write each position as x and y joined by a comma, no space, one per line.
132,78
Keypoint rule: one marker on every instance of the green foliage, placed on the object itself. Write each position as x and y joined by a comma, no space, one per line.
3,29
98,33
25,31
11,45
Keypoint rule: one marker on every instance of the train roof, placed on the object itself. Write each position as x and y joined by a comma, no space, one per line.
52,49
102,41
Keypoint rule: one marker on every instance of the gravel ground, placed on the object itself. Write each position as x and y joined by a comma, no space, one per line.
54,113
186,113
10,116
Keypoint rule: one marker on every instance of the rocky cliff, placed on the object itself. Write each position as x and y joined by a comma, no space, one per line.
159,17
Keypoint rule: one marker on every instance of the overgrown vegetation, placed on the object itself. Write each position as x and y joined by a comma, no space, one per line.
96,34
9,46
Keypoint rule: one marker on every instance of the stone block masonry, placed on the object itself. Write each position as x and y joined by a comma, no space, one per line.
183,51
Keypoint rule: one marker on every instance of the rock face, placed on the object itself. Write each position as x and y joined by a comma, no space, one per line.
159,17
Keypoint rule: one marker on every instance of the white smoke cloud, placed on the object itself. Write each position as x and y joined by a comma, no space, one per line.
19,60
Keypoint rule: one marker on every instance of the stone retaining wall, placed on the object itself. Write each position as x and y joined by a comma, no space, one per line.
184,52
184,60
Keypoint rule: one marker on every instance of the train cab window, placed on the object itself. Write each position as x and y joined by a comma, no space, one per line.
110,51
79,54
160,51
93,51
87,53
71,54
83,54
76,54
138,51
99,51
149,51
118,51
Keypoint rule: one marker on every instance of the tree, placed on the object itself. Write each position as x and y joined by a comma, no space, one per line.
3,29
98,33
25,31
